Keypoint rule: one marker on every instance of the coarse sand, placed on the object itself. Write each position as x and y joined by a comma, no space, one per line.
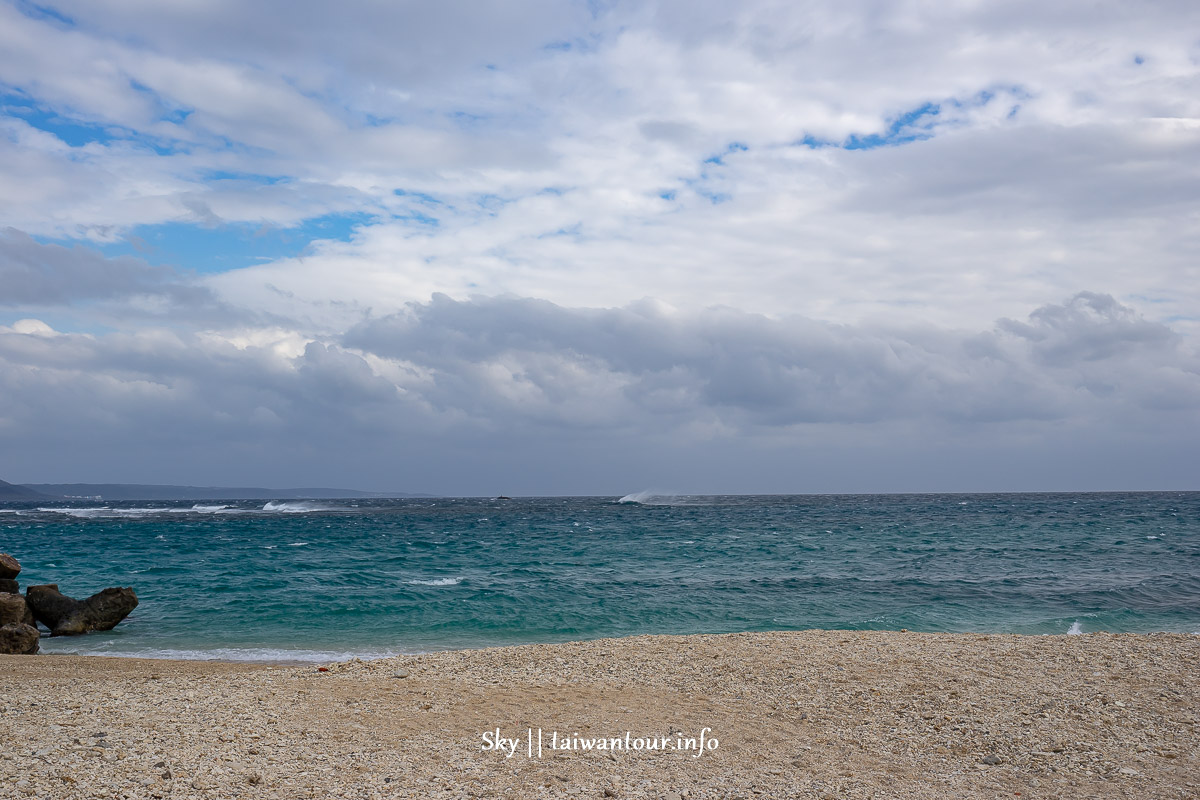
820,714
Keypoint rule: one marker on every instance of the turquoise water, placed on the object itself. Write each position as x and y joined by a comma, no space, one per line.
320,580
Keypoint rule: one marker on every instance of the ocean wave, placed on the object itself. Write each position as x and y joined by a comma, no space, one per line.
437,582
295,507
251,654
105,511
1076,629
108,512
652,498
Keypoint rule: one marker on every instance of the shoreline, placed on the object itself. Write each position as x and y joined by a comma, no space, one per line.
795,714
365,656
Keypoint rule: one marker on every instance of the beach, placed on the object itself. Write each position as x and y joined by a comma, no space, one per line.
837,714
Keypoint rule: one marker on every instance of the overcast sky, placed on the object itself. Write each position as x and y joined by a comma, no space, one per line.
554,247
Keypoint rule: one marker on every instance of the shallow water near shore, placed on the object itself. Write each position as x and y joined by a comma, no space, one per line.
328,580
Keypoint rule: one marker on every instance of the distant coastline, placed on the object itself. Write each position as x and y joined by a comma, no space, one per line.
141,491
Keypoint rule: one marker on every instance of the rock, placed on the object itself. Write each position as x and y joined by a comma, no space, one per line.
400,673
16,611
9,585
19,639
9,566
13,609
66,616
991,760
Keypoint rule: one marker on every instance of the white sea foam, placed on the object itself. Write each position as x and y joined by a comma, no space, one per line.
297,544
253,654
82,513
438,582
1076,629
294,507
650,497
108,512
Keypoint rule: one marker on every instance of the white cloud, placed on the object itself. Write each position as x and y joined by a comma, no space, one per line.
525,376
620,217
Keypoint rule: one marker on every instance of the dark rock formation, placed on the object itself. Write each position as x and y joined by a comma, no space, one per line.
9,585
18,639
66,616
9,566
12,608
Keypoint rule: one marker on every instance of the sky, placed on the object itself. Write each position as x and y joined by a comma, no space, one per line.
551,247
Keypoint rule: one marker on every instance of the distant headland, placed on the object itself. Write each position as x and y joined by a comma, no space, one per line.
10,491
140,491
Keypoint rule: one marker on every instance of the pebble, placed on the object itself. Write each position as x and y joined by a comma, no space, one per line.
865,694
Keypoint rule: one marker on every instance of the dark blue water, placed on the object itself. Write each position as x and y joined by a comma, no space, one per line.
314,579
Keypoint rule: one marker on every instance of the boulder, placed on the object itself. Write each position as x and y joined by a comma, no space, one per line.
9,566
66,616
9,585
12,609
18,639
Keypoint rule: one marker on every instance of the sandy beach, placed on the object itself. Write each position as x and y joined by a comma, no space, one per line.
809,714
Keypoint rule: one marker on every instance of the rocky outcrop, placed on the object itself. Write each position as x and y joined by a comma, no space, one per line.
66,616
9,585
12,608
19,639
9,566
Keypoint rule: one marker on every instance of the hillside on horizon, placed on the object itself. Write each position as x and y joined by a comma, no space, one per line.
140,491
12,491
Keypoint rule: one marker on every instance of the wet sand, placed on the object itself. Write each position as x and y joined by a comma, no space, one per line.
810,714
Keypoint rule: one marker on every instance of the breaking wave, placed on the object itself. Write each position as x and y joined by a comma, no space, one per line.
437,582
250,654
653,498
294,507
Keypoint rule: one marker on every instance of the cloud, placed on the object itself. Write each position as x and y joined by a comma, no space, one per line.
753,371
445,379
37,274
637,236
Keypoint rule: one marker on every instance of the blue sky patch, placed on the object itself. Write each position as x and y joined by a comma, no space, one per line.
231,246
911,126
73,132
44,13
914,125
732,147
242,177
427,199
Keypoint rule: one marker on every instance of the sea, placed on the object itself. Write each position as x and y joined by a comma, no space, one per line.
317,581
